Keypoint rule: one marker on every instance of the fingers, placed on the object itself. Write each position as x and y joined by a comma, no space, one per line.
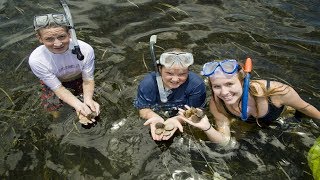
154,135
97,108
84,110
186,120
180,127
94,106
84,120
153,120
157,137
149,121
171,134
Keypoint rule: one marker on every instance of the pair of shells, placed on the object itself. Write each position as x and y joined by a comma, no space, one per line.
164,129
194,114
87,120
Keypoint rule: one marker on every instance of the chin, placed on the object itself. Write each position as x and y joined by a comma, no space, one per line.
230,101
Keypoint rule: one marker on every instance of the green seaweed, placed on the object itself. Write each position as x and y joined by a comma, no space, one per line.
314,159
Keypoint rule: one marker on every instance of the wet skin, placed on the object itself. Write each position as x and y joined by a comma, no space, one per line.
56,39
174,76
229,90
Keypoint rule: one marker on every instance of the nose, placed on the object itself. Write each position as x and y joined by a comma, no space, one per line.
57,42
175,78
224,90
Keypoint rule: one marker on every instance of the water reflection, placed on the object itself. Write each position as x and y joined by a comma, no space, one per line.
280,36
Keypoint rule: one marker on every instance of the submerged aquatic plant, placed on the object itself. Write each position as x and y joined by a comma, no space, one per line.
7,95
314,159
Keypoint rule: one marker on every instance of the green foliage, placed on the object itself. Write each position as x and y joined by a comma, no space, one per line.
314,159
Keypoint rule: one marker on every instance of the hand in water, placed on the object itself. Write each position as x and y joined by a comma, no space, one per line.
202,124
152,122
89,119
171,125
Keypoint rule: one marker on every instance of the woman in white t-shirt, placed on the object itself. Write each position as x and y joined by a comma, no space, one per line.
62,75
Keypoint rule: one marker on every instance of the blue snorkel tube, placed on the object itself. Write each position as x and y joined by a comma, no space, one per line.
76,49
246,84
162,93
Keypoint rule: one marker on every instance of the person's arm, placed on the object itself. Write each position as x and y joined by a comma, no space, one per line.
88,90
88,77
221,134
292,98
66,96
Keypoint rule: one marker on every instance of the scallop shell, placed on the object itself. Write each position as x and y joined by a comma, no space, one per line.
159,131
168,127
159,125
166,133
194,114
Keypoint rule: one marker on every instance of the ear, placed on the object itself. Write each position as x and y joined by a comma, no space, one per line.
159,69
39,38
69,33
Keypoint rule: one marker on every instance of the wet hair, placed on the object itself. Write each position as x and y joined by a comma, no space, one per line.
176,50
51,25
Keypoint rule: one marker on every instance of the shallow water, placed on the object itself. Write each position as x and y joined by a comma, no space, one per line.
282,37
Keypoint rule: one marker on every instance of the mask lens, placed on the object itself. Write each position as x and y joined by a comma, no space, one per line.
182,58
209,68
40,21
229,66
169,60
187,59
59,19
43,20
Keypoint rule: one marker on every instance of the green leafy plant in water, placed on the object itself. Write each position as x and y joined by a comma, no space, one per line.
314,159
7,95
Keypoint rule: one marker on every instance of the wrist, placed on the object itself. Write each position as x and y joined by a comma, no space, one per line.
156,119
207,128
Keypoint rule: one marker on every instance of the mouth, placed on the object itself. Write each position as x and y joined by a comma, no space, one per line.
58,48
227,98
174,83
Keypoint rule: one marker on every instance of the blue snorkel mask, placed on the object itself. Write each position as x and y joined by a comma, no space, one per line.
227,69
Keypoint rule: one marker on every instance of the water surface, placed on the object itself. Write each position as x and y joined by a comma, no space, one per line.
282,37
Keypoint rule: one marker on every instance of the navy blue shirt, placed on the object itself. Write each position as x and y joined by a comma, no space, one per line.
192,93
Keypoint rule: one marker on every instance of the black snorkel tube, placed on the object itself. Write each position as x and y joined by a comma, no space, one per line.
162,93
76,50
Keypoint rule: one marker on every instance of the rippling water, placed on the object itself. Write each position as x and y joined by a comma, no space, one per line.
282,37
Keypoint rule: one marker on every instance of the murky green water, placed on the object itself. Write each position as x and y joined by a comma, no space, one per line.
282,37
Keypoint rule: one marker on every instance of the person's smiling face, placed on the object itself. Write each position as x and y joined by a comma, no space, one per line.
56,39
174,76
227,89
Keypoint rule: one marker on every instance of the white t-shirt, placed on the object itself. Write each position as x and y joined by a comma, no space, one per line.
53,69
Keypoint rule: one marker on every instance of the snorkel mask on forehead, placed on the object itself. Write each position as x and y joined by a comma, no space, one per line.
225,69
168,59
42,21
